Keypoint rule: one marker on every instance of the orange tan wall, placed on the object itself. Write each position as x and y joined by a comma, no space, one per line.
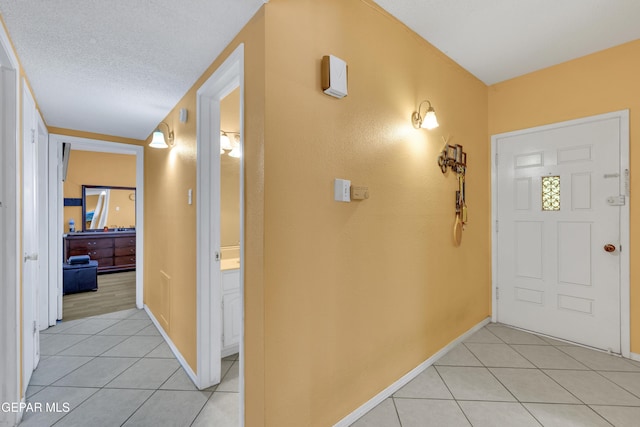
93,168
358,294
599,83
170,223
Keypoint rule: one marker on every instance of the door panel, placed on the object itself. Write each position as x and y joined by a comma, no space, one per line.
553,275
30,244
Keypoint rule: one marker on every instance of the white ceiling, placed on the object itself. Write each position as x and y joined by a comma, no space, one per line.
496,40
117,67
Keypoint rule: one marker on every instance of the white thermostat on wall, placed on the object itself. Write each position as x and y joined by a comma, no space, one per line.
334,76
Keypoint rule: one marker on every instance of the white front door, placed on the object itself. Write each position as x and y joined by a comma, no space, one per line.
559,194
31,338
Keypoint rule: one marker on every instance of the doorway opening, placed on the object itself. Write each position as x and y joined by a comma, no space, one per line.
117,246
220,276
100,226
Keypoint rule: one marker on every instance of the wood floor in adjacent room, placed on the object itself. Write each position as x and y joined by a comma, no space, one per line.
116,292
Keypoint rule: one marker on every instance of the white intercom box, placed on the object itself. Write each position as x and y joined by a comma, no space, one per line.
334,76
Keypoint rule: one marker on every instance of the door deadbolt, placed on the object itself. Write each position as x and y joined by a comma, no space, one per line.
609,247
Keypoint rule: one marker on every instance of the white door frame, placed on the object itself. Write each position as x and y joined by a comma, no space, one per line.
10,196
625,298
56,198
227,77
48,304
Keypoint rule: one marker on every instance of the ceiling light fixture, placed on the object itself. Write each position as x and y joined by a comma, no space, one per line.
158,140
428,121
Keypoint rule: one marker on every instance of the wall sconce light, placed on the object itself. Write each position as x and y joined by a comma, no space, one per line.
227,145
428,121
225,142
158,140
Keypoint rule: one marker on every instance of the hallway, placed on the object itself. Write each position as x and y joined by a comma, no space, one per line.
115,369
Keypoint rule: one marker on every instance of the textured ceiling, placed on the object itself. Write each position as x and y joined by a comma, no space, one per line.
496,40
117,67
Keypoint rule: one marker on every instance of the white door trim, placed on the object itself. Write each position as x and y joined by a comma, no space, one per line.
625,298
226,78
10,196
48,303
56,229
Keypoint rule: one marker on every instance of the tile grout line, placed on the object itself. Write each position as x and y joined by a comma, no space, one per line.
544,373
98,389
395,407
452,395
103,387
615,383
578,403
535,367
589,369
84,400
138,408
564,388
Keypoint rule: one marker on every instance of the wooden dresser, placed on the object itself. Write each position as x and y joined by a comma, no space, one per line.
114,251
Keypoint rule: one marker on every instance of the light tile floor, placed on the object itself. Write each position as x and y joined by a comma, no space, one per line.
505,377
116,370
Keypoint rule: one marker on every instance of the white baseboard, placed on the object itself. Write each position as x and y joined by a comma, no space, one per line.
192,375
634,356
387,392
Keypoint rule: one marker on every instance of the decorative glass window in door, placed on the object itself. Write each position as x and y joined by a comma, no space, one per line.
550,193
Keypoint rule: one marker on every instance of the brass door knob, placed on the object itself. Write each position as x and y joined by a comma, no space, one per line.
609,247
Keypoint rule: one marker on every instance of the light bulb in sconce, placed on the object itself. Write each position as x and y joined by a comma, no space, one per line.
428,121
225,142
236,151
158,140
232,148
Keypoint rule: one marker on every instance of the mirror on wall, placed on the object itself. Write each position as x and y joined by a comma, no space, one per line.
108,206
